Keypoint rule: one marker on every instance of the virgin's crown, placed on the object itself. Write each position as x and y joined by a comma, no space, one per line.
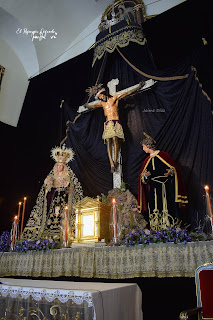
62,154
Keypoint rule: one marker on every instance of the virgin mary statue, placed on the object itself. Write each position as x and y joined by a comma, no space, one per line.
61,188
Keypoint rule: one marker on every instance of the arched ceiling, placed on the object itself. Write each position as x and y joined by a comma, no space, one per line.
72,20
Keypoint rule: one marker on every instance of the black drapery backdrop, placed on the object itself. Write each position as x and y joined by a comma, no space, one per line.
184,130
176,112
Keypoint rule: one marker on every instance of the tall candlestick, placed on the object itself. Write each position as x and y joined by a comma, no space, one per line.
208,200
22,219
66,227
114,214
19,210
14,231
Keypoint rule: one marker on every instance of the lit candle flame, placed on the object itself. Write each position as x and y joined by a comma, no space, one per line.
206,188
19,203
25,198
113,201
16,217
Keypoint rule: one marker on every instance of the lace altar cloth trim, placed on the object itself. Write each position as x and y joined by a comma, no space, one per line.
155,260
78,297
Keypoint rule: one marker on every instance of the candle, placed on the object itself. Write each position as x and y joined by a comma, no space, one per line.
65,227
114,214
14,232
209,204
22,219
19,209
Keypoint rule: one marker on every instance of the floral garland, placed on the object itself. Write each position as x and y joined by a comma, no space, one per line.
26,245
5,241
178,235
36,245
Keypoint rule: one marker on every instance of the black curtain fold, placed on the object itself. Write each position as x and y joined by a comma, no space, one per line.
177,113
91,160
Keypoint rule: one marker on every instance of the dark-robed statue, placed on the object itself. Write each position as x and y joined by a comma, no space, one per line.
161,192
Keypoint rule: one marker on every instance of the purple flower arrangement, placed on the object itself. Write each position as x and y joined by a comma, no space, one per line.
36,245
5,241
178,235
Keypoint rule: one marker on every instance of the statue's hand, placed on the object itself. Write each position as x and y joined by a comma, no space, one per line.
147,173
168,173
48,182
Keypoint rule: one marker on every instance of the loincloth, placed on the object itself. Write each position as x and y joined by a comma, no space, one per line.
113,128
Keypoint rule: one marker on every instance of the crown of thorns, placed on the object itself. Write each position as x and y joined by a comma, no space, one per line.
95,89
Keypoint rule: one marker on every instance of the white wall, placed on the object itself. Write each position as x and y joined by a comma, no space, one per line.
81,44
14,85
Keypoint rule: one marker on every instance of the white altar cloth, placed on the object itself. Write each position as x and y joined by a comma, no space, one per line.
111,301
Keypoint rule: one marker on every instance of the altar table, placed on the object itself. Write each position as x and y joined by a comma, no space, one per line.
154,260
44,299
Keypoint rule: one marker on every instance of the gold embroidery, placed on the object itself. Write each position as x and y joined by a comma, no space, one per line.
23,308
153,163
162,220
178,198
43,224
120,38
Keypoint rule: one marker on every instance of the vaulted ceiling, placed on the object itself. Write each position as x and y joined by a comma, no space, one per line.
75,23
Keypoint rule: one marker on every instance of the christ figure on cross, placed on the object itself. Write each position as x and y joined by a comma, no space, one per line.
113,131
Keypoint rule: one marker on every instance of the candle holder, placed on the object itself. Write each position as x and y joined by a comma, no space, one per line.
115,221
18,224
209,206
22,219
14,232
65,229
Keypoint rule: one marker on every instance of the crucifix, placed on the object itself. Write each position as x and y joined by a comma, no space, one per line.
113,131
